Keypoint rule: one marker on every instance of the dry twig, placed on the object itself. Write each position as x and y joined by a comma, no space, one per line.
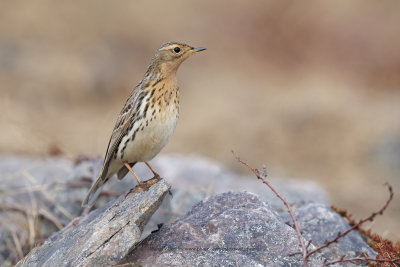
296,227
304,248
355,226
17,243
365,259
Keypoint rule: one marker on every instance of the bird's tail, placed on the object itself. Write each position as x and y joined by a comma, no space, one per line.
94,190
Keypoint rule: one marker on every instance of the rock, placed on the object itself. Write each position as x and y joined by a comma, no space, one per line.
319,223
102,237
50,191
195,178
230,229
47,192
29,191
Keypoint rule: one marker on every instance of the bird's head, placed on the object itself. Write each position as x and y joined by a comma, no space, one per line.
170,55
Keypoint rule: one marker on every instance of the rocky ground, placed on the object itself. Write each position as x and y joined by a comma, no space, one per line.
213,217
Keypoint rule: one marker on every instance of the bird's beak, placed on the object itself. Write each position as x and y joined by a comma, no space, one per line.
196,49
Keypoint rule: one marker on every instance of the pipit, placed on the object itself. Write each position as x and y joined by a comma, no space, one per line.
147,120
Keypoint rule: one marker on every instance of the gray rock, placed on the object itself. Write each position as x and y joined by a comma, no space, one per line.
195,178
320,223
104,236
230,229
28,189
47,192
52,189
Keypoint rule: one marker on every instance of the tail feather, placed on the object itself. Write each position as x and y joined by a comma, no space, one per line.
105,174
93,193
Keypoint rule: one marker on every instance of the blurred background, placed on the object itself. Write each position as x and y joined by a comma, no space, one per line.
310,90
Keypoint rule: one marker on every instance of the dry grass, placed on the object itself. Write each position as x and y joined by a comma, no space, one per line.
312,90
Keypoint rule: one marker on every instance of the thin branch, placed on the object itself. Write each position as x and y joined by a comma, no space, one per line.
31,217
17,243
355,226
296,227
308,244
394,261
48,197
51,217
42,212
304,248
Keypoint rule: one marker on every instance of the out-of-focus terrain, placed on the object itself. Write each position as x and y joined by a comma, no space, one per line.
310,90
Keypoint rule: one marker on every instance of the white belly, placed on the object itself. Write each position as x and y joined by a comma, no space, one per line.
149,140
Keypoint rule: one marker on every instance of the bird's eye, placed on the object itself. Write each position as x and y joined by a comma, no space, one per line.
177,49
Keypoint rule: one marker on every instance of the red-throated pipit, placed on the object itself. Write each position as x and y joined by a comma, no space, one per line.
147,120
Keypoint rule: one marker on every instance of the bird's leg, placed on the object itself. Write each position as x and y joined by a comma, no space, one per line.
143,186
133,173
156,175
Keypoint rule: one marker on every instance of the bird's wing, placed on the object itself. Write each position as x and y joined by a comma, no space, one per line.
125,117
121,126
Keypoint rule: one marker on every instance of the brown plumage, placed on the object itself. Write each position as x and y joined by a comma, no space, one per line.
148,118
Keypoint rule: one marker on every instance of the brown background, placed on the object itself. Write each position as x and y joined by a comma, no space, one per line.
312,90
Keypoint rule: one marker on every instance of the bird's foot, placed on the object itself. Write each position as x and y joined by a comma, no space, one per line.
144,186
149,183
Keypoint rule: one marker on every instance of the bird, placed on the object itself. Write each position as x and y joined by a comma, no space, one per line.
147,120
